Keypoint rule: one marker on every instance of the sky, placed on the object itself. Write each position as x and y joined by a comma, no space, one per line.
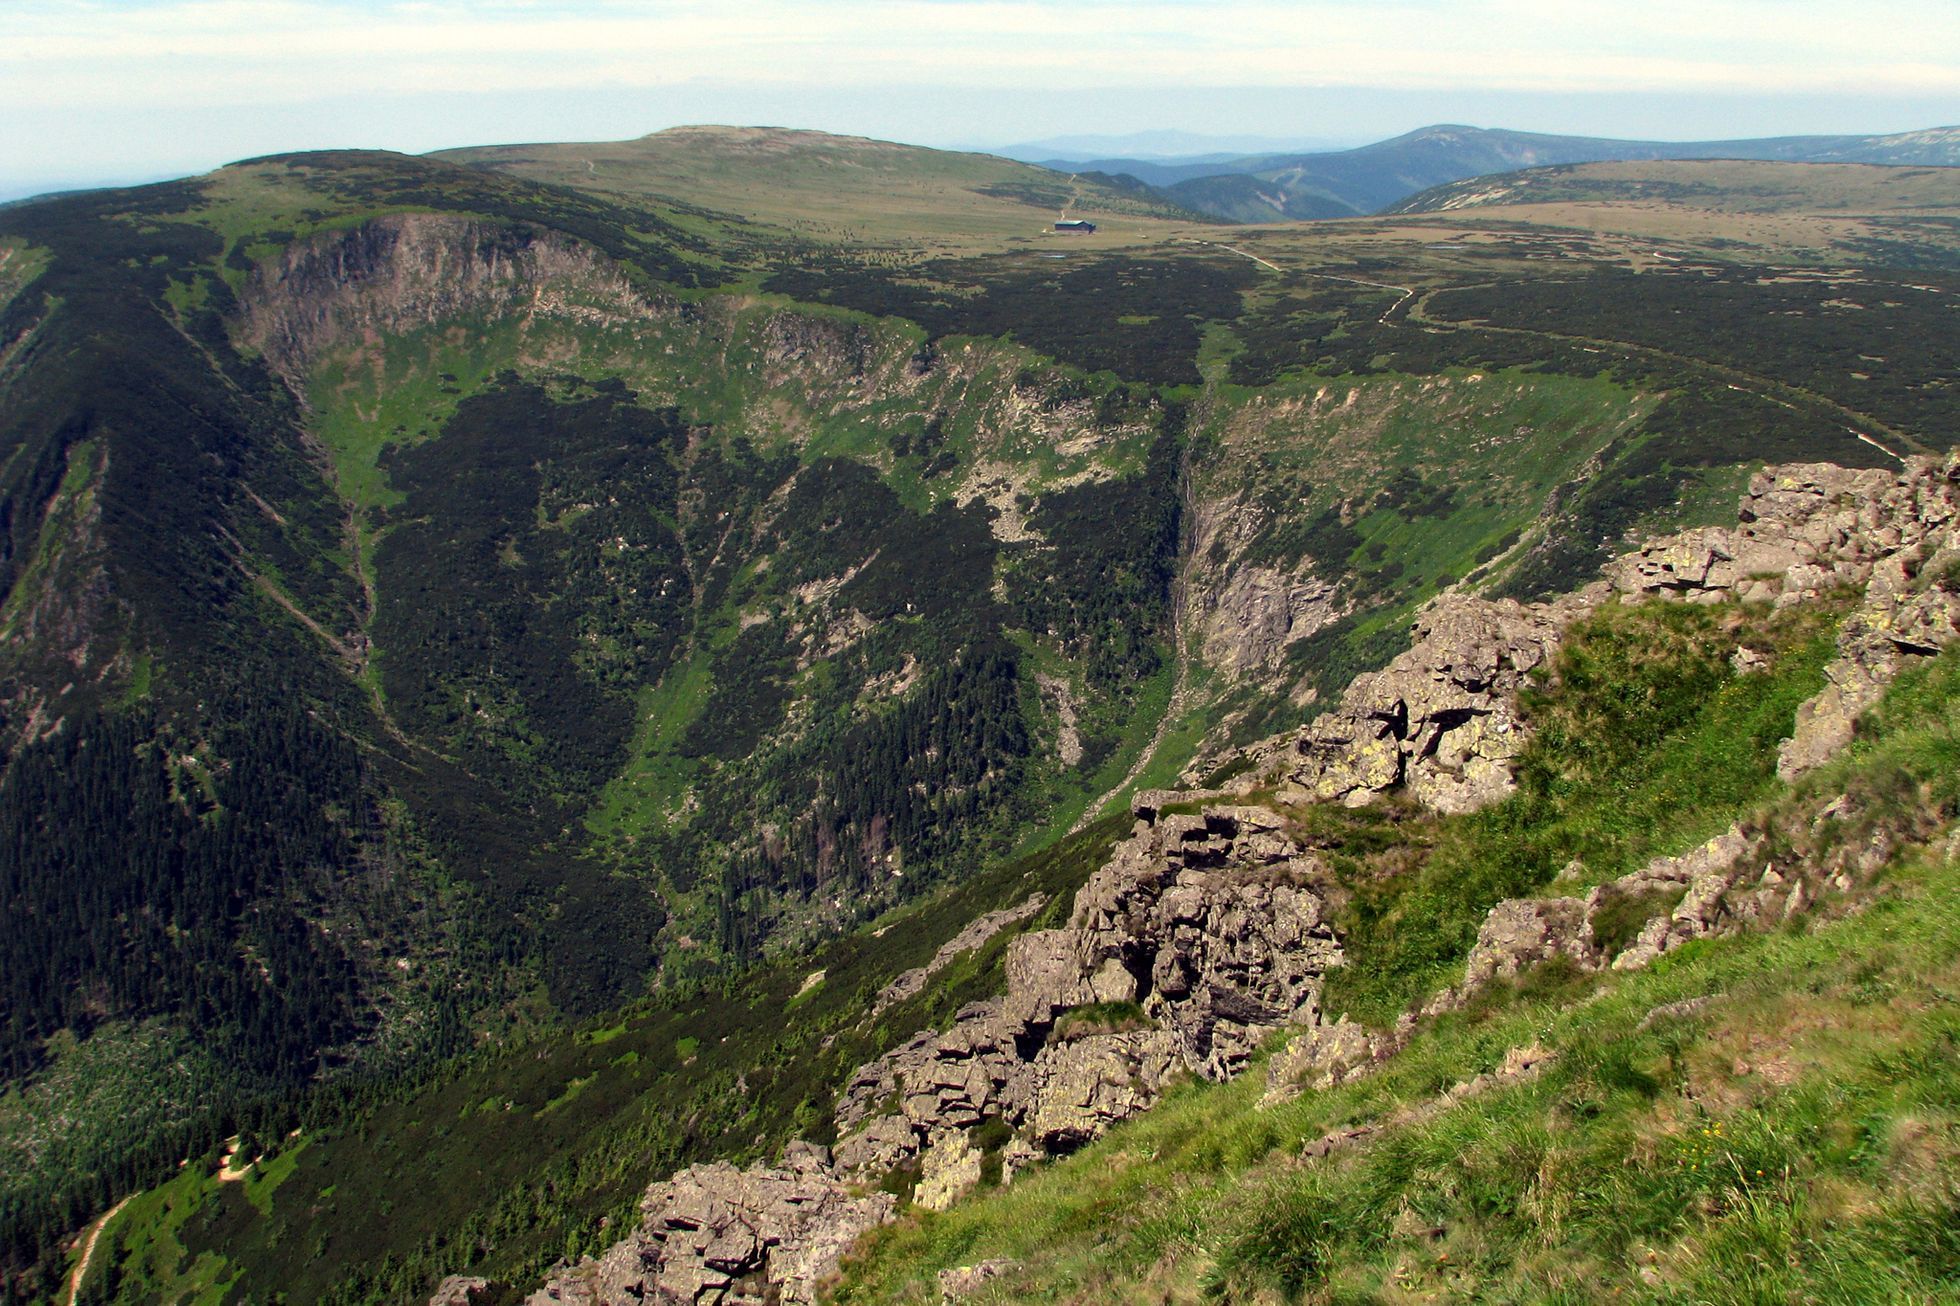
102,91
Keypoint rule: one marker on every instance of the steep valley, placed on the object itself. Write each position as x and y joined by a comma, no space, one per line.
542,664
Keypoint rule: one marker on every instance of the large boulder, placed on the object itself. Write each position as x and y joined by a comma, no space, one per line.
715,1234
1522,932
1321,1056
1441,719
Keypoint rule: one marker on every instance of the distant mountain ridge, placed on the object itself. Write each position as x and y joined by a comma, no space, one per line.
1171,147
1373,178
1708,185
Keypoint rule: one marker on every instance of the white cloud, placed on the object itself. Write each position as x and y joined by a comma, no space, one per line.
189,52
100,88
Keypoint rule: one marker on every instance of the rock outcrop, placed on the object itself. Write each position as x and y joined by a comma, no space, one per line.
1321,1056
911,983
1206,931
1801,529
459,1290
1441,720
1746,878
1811,528
1259,613
1199,937
1910,608
713,1233
1523,931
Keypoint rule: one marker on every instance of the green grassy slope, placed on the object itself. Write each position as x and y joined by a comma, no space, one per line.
597,618
1762,1118
561,1135
844,190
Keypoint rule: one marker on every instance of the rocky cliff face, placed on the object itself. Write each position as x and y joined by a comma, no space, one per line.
405,271
1441,722
1205,932
1201,936
1257,613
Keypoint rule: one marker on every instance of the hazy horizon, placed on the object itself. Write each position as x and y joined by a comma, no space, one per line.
119,91
30,186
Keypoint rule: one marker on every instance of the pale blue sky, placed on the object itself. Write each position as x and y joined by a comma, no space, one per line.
126,89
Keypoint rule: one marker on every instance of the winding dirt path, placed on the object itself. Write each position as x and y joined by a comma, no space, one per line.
80,1274
1778,392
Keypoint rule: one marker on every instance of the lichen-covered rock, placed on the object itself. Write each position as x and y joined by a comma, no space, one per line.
1044,975
1210,921
1898,623
1709,874
949,1169
1441,719
1086,1085
1521,932
1319,1057
715,1234
883,1145
1727,885
1801,529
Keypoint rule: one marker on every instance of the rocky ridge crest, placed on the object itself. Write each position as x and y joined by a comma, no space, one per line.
1204,933
403,271
1441,721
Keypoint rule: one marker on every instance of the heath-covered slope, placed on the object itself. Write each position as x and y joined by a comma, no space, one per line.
212,875
1575,753
503,640
843,189
1715,186
1931,147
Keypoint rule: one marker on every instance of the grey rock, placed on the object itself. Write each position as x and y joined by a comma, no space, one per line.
1320,1057
950,1169
1441,719
963,1281
712,1229
1707,873
458,1290
883,1145
1524,931
1259,613
1086,1085
1206,920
